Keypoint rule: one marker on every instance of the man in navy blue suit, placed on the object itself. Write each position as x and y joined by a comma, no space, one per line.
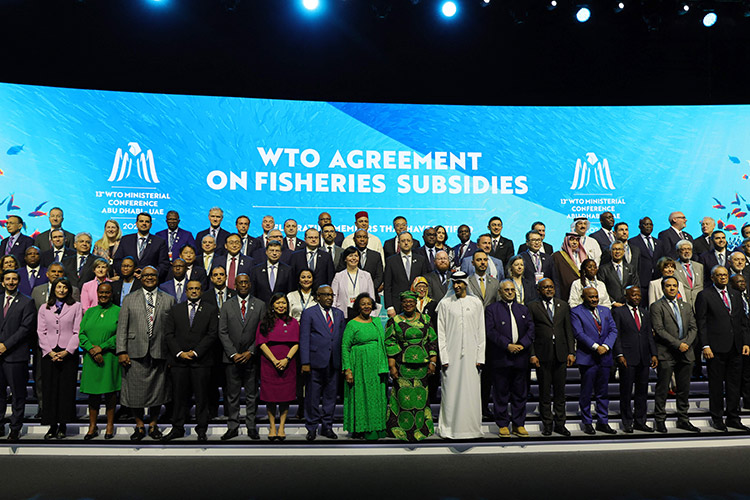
464,249
510,333
146,248
718,255
320,334
234,262
174,235
605,236
537,265
215,217
271,275
16,243
177,286
635,352
313,258
32,274
595,333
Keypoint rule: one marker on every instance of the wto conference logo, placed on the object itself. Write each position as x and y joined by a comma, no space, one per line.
123,164
602,175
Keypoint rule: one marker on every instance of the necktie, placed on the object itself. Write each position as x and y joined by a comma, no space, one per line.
513,325
649,244
550,310
272,277
330,250
178,290
726,300
311,261
597,320
32,278
141,246
682,236
150,307
678,317
481,285
192,312
628,256
689,273
494,245
244,245
8,300
213,234
232,272
362,258
407,265
81,262
537,262
611,236
243,309
329,321
220,298
11,242
745,304
171,240
619,272
291,244
721,259
462,252
432,257
57,255
637,318
207,262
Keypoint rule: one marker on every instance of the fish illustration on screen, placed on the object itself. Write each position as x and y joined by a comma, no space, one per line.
123,164
14,150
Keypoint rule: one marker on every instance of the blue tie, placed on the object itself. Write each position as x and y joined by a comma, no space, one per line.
679,319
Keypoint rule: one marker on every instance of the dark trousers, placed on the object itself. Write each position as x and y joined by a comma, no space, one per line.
36,363
320,398
630,378
239,376
551,377
681,370
509,384
187,380
485,380
745,389
724,377
59,389
13,375
594,380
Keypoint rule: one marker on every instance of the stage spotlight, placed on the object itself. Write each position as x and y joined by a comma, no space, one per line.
583,14
709,19
619,7
484,3
552,5
311,4
684,9
449,9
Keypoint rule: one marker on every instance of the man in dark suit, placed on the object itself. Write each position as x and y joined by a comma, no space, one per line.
238,323
144,247
79,268
59,249
536,264
323,220
207,253
495,267
267,224
632,255
595,332
510,334
369,260
290,236
390,246
675,332
670,236
464,249
605,236
191,330
313,258
428,250
648,247
724,333
552,352
32,274
177,286
17,329
44,240
617,274
320,334
540,228
330,246
218,292
234,262
259,255
437,280
16,243
175,236
247,242
502,247
271,276
400,271
635,353
702,243
215,217
718,255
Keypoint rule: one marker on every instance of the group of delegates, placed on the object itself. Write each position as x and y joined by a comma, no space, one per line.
166,319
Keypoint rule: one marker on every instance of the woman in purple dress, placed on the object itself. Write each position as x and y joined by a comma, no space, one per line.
278,340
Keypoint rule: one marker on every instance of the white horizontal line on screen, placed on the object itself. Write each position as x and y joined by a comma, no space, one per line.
371,208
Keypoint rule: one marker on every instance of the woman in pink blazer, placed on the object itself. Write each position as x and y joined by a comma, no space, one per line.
350,282
57,326
89,297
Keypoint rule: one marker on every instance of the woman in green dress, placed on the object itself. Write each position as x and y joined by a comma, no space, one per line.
365,367
411,345
100,373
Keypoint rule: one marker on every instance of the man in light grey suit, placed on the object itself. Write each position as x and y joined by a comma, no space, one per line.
328,244
689,272
142,352
675,335
482,285
240,316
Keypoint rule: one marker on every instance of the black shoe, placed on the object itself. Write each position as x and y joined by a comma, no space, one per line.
643,427
687,426
605,428
589,429
92,435
174,434
546,430
253,434
661,427
562,430
719,425
627,428
61,431
231,433
281,438
107,435
155,432
140,433
311,435
329,434
737,425
14,435
51,433
202,437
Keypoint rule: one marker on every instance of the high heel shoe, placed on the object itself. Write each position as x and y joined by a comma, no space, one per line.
91,435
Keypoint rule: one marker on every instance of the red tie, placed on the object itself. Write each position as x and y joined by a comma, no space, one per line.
726,300
8,299
329,321
637,318
689,274
232,272
242,309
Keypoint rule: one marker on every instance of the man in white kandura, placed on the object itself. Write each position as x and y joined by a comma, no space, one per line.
461,339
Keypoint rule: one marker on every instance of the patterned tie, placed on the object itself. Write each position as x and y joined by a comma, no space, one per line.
32,278
611,236
311,261
726,300
597,320
11,242
81,262
537,262
494,245
678,317
171,240
550,310
272,277
329,321
232,272
150,308
57,255
650,245
721,259
637,318
243,309
192,312
8,300
141,247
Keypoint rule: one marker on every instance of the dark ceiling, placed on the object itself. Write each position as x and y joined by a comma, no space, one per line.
269,48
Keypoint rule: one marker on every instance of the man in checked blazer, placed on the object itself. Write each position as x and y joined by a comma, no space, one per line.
142,352
674,347
240,316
